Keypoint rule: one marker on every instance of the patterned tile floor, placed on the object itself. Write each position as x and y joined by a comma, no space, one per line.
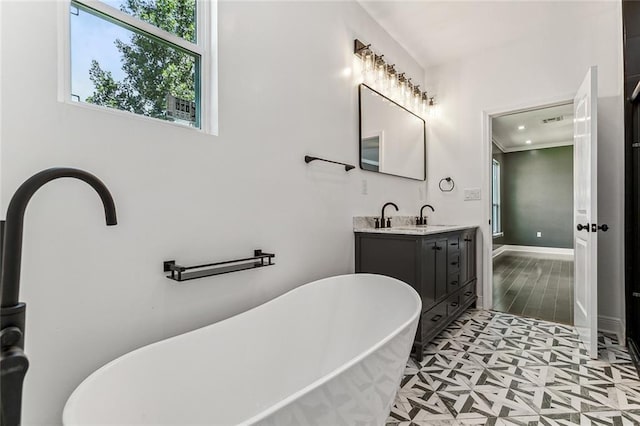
492,368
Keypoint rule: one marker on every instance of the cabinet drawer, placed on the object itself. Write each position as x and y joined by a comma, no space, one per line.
468,292
453,283
454,263
433,318
453,243
453,304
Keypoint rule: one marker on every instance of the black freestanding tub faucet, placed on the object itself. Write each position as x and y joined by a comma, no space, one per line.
13,361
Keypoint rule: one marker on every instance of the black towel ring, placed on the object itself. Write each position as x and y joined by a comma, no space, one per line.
449,181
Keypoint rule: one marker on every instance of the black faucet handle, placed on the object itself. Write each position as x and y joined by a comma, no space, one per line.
10,336
388,222
13,367
377,223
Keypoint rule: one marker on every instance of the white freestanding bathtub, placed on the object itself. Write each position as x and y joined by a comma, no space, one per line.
331,352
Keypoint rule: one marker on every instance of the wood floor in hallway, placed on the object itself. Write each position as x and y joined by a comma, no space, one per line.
534,285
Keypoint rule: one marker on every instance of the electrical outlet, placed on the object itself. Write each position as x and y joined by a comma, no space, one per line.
471,194
365,188
539,234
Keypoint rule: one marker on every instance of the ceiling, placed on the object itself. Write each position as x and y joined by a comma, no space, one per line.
557,131
434,32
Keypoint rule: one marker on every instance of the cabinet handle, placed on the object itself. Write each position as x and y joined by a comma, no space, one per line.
454,263
454,282
454,244
436,318
468,293
437,248
454,304
468,239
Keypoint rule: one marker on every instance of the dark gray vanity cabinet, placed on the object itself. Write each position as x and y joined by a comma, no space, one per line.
441,267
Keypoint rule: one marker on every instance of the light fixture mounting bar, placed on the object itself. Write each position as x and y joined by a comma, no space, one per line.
358,46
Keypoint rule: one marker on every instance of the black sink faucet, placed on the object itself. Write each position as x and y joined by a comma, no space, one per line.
382,222
422,220
13,361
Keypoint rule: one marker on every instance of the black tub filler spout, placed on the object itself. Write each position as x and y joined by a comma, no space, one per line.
13,361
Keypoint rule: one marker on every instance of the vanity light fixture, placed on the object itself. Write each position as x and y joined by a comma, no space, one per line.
416,101
368,57
425,103
392,83
408,94
433,108
368,61
402,88
528,141
381,72
521,127
392,77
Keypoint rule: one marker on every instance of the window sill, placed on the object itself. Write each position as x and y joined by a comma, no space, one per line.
133,116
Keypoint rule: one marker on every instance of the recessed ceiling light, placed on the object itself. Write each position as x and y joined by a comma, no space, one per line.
528,141
521,127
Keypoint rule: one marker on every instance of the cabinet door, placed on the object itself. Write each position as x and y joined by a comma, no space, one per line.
441,268
428,273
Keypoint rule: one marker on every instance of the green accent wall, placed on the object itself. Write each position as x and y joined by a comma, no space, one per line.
538,197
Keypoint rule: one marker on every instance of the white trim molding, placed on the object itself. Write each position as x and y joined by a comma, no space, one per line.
498,144
534,146
497,252
535,249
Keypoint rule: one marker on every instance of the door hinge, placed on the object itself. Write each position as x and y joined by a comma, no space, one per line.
635,294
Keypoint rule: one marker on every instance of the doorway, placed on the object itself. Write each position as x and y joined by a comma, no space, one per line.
532,212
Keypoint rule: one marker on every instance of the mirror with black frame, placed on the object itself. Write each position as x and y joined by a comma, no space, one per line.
392,138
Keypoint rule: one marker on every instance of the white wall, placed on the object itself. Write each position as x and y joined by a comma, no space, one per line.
547,66
94,293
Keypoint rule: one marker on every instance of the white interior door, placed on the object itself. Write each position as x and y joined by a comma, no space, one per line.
585,188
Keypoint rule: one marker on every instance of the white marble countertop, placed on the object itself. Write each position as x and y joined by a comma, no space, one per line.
415,230
404,225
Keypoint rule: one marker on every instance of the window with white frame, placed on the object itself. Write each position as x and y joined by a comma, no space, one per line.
496,218
146,57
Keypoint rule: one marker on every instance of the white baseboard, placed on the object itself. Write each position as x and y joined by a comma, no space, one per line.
612,325
534,249
497,252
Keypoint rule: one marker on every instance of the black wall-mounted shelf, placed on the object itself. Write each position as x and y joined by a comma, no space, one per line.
179,273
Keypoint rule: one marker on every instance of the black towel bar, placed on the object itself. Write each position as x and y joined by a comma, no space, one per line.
347,167
179,273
